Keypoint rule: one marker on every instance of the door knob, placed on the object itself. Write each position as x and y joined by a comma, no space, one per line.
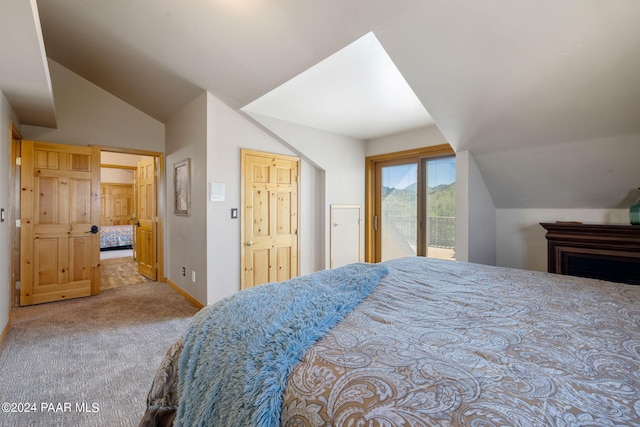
249,243
94,229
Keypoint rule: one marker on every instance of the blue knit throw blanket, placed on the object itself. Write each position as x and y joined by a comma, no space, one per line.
239,352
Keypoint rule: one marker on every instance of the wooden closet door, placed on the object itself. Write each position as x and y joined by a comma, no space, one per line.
270,212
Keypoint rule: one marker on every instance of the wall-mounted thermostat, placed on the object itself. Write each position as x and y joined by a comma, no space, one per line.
216,192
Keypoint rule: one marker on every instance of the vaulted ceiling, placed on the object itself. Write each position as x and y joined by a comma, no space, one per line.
496,76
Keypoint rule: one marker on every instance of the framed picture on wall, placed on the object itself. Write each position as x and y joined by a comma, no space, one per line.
182,185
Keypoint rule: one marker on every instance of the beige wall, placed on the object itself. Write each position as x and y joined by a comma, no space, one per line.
89,115
521,241
186,235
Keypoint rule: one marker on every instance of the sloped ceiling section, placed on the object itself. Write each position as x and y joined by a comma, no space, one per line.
357,92
24,73
495,74
499,75
598,173
510,81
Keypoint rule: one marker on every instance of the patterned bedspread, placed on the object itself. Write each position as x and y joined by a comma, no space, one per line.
442,343
112,236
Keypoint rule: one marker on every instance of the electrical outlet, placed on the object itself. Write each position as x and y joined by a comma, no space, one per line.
193,276
184,272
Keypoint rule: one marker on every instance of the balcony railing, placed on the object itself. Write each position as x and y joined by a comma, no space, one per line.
441,230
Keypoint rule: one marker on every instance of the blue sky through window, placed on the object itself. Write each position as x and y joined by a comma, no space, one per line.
440,171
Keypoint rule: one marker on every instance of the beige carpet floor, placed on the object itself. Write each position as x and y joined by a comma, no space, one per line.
89,361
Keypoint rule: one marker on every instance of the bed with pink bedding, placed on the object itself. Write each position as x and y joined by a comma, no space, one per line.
445,343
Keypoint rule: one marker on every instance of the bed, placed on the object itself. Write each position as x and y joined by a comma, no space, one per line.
116,237
420,342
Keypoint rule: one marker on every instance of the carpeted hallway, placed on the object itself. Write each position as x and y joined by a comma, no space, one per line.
89,361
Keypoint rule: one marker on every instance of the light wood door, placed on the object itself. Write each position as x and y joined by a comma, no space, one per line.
146,220
270,218
60,213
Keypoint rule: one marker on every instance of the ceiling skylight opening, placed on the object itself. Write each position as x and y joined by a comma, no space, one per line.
356,92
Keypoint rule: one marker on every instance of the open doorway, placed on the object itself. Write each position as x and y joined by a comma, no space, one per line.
125,254
154,249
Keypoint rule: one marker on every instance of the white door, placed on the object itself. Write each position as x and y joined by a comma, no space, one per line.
345,235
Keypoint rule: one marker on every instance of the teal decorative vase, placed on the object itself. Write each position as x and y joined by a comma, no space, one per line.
634,212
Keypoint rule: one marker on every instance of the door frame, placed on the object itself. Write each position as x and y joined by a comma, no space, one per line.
14,214
15,200
370,187
160,201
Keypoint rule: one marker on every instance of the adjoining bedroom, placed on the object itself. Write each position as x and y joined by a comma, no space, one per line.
339,213
118,218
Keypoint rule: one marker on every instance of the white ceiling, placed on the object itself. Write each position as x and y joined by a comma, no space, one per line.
24,73
495,75
571,67
356,92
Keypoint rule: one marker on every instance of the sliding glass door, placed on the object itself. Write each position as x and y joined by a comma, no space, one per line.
413,207
440,222
398,220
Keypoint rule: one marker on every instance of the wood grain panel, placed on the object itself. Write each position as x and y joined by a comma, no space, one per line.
79,259
46,160
47,200
80,201
283,263
260,265
260,204
284,175
46,261
261,174
117,204
80,162
283,212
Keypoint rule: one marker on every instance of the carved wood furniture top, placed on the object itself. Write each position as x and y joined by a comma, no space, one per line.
601,251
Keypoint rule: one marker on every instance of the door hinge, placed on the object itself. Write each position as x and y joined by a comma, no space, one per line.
18,161
18,224
17,285
375,222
